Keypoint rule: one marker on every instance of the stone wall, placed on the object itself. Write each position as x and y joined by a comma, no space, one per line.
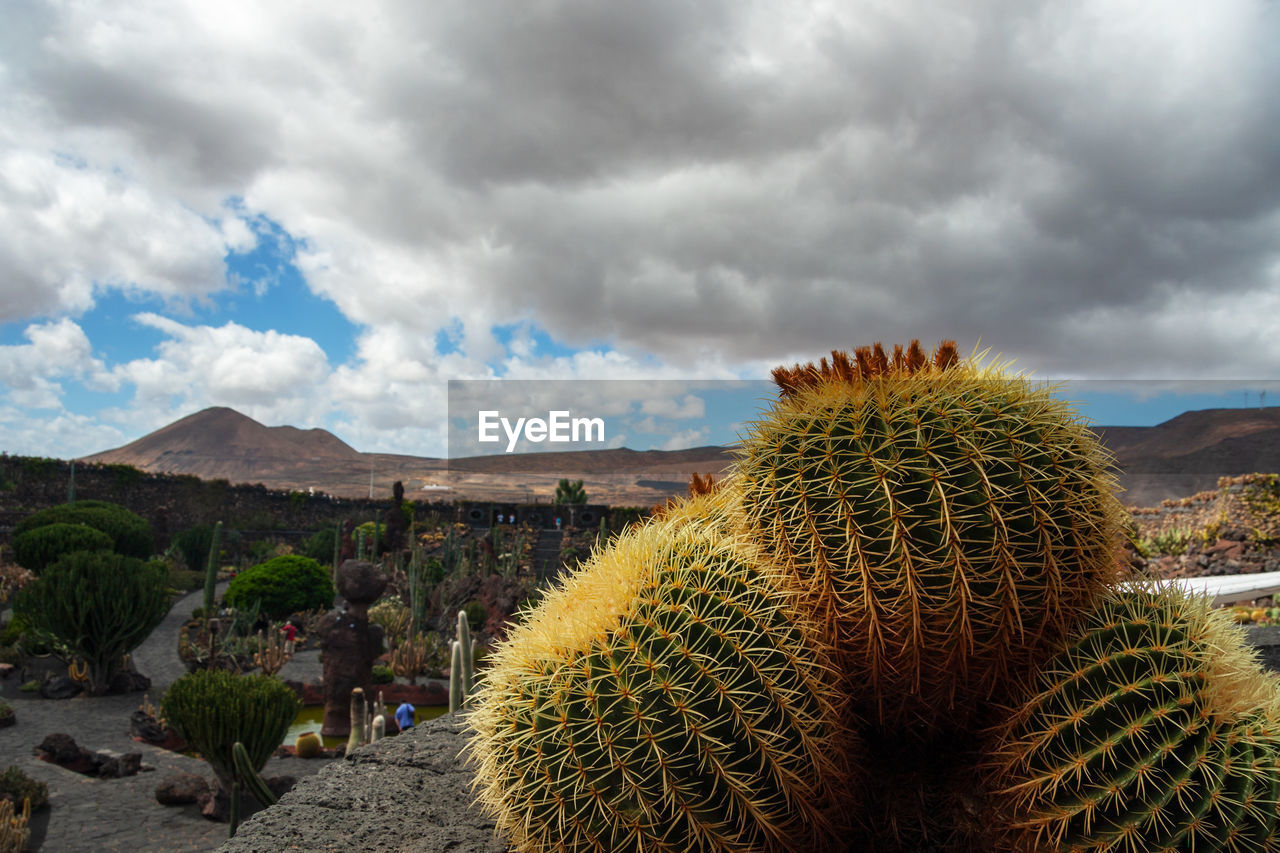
175,502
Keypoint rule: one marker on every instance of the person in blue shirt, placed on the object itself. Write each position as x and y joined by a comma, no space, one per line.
404,716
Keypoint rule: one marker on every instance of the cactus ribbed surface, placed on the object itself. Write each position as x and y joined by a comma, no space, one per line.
945,520
211,570
1153,730
99,605
212,709
664,698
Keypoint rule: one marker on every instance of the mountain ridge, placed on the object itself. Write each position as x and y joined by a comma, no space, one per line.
1179,457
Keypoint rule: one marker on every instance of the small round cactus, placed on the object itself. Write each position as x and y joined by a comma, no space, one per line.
945,520
664,698
308,745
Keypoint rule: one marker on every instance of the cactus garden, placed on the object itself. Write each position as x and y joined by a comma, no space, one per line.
905,622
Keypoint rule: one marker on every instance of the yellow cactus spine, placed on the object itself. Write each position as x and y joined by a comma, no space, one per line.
1152,730
664,698
946,521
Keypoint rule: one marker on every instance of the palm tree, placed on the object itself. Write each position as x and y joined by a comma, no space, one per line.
570,493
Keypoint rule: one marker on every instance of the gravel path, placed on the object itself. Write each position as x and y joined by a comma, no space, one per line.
88,814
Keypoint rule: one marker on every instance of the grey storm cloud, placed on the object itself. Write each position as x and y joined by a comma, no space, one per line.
1075,183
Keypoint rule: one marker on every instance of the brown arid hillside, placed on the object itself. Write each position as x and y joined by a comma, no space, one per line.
1188,454
1183,456
221,443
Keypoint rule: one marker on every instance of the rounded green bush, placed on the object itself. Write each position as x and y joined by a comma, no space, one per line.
212,709
282,586
40,546
20,786
130,533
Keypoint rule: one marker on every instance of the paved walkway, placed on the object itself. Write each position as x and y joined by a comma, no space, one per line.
88,814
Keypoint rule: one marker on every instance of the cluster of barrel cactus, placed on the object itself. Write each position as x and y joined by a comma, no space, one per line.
902,623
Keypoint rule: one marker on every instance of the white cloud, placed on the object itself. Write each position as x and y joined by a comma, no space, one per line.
31,373
271,377
684,439
668,191
68,231
27,433
689,406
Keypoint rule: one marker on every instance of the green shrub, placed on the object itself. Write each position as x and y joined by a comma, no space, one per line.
319,546
32,686
13,630
184,580
283,585
98,605
212,709
129,531
476,615
382,674
36,548
193,543
20,786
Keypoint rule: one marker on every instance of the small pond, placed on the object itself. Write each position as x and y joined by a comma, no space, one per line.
311,717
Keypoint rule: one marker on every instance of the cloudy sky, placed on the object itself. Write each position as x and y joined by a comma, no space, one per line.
317,213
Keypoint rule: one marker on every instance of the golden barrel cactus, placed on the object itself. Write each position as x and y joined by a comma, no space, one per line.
944,520
666,697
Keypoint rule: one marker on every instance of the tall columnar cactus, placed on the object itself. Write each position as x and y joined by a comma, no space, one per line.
211,570
357,734
468,657
945,520
663,698
1153,730
212,709
247,779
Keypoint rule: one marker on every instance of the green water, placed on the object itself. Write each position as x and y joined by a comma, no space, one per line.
311,717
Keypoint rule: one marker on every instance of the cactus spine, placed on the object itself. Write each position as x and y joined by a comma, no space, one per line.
662,699
1151,731
211,570
948,521
14,825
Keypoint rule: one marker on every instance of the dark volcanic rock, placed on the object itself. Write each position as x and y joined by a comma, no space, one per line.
113,766
360,583
180,789
59,687
62,750
128,682
409,792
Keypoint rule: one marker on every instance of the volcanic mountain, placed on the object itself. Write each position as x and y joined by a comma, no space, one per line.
1179,457
221,443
